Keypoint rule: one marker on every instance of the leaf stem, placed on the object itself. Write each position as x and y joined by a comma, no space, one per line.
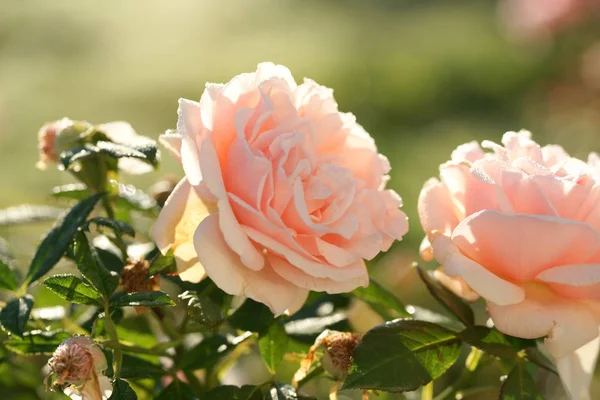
112,332
427,391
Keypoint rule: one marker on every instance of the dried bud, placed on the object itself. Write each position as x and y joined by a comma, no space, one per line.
134,277
338,350
77,366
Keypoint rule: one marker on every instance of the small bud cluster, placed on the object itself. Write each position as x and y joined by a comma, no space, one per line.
134,277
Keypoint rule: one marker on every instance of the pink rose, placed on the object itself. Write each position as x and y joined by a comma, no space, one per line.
283,193
520,227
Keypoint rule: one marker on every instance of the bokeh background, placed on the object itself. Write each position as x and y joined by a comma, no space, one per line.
421,76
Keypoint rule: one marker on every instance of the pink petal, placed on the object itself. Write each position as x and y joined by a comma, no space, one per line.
224,267
482,281
574,275
189,125
456,284
520,246
177,222
172,142
300,278
436,211
568,324
425,250
469,152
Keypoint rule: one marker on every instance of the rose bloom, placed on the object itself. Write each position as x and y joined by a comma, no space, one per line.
519,226
283,193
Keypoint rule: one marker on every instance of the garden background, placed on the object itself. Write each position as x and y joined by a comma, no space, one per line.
421,76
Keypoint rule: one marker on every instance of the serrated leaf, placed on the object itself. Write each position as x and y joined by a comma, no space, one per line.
119,227
176,390
380,300
110,260
489,340
228,392
142,151
54,245
402,355
203,309
162,263
15,314
73,289
36,342
122,391
272,345
133,198
446,298
90,266
8,280
73,191
77,153
27,213
252,316
519,385
134,368
141,299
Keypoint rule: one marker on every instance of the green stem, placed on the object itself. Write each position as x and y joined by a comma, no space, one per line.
427,391
112,332
470,366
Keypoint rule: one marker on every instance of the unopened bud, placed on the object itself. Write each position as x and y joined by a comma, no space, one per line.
55,137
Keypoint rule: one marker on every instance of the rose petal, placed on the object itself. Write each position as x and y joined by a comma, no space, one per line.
189,126
577,369
568,324
224,267
520,246
436,211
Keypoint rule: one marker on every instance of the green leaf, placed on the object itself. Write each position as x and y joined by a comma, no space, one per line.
227,392
122,391
209,351
36,342
272,345
73,191
535,356
144,151
77,153
54,245
91,267
252,316
177,390
73,289
203,309
449,300
119,227
162,263
133,198
110,260
402,355
8,280
519,385
380,300
135,367
15,314
489,340
141,299
27,213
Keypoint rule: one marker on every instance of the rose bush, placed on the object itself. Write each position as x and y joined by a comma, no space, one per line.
519,226
283,193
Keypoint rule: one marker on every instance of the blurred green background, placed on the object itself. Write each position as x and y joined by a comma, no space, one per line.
421,76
